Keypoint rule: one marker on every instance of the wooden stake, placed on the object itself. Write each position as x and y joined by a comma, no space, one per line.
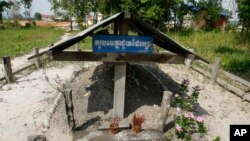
189,60
37,61
215,70
69,109
78,47
7,69
165,105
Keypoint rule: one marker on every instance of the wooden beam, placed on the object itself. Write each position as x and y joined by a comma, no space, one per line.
111,57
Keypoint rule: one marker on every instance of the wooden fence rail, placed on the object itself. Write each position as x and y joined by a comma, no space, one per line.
225,79
9,74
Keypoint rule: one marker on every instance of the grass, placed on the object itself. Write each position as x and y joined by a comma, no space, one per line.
233,49
18,41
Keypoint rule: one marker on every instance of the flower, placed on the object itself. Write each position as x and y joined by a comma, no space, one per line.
186,116
200,119
185,82
176,95
178,128
178,109
197,88
191,115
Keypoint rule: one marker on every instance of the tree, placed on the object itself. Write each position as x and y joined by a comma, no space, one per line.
109,7
27,5
70,8
209,9
38,16
244,13
3,5
15,11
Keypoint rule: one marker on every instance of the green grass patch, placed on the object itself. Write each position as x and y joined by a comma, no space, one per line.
233,49
18,41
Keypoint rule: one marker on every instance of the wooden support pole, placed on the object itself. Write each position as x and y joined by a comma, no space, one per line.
215,70
115,28
69,109
7,69
119,92
37,60
120,74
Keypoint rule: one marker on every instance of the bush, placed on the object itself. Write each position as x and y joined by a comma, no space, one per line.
184,101
187,123
2,27
33,23
27,25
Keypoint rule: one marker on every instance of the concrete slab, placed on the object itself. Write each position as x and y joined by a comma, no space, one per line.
125,135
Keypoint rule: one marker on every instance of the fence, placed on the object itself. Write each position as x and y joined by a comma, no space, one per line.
9,74
225,79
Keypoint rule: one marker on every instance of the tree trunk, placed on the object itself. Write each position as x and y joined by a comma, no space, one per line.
243,27
71,24
1,18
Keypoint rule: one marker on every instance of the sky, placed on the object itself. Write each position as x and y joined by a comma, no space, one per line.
41,6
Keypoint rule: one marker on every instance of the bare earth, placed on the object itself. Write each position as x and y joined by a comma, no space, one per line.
25,103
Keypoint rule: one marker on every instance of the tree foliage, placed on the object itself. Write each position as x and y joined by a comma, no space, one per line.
38,16
109,7
3,6
73,8
27,5
212,9
244,13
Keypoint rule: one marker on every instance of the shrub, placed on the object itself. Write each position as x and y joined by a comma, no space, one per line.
187,124
27,25
33,23
184,101
2,27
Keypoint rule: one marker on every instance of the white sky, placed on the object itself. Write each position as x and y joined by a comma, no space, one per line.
41,6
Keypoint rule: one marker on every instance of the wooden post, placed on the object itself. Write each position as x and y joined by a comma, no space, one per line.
7,69
189,60
120,74
78,47
37,60
119,92
215,70
115,28
165,105
69,109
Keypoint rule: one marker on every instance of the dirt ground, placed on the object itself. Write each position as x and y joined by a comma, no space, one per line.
25,103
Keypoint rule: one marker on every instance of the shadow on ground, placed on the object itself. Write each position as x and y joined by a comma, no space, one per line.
141,88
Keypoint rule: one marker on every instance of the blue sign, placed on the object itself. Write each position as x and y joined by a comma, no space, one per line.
123,44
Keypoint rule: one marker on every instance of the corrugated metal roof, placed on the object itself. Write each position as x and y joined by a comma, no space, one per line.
135,22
